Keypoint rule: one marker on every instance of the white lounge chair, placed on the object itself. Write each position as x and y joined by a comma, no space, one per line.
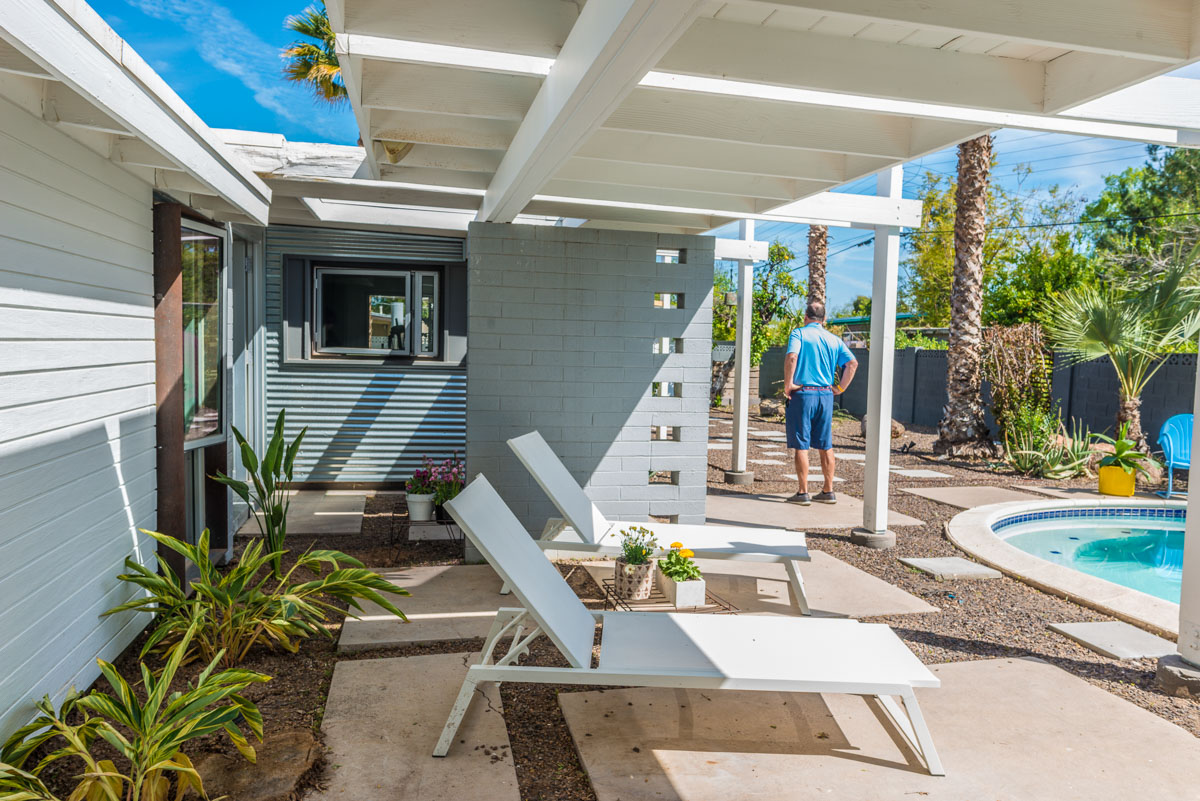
584,528
655,649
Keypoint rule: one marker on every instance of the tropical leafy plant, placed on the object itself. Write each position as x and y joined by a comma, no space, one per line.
313,61
1132,322
637,545
678,564
1126,454
149,733
271,476
229,612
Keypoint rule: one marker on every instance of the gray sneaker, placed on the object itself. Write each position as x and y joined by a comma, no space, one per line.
801,498
826,497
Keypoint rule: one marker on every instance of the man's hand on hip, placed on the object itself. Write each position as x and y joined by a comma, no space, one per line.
789,389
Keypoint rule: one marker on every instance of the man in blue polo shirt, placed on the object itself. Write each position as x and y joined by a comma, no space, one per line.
810,382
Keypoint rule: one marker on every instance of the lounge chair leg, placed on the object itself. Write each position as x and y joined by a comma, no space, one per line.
921,732
457,712
796,587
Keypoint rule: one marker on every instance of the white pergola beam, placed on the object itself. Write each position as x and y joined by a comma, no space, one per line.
741,363
1133,28
1166,101
88,58
134,151
14,61
611,46
741,250
62,106
441,129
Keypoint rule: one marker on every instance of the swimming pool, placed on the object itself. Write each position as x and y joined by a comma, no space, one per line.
1138,548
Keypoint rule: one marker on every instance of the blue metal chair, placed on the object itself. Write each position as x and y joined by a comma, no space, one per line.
1175,439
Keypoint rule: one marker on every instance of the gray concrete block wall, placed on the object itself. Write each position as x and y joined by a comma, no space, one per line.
561,325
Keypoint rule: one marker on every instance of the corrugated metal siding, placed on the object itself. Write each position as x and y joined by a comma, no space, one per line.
364,423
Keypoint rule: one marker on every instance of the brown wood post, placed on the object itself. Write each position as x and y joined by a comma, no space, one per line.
168,378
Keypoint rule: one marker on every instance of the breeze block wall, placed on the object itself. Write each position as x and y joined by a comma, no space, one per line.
564,335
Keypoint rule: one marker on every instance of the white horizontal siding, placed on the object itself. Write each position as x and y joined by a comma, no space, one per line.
77,458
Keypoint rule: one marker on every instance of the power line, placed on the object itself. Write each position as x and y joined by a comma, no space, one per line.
1102,221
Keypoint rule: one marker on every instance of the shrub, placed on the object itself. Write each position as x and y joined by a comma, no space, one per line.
227,613
1037,444
1017,365
637,544
271,476
149,734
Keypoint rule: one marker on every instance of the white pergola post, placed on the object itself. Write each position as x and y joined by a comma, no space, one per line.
1173,671
874,532
738,474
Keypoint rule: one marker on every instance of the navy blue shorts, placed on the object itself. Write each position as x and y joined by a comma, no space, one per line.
810,420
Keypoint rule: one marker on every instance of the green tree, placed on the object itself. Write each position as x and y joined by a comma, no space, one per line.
1020,288
724,315
776,313
313,61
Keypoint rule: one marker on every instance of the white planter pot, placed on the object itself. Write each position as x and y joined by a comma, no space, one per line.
682,594
420,507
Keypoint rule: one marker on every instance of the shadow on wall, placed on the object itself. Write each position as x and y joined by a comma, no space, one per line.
71,504
422,412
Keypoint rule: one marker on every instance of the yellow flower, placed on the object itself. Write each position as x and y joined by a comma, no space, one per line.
676,544
686,553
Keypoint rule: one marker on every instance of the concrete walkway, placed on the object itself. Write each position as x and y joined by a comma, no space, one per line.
1006,730
771,511
320,512
382,720
969,497
834,588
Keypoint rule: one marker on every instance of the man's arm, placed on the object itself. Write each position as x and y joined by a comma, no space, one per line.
789,371
847,376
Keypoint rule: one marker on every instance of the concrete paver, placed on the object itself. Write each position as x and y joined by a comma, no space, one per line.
969,497
1115,639
948,568
383,718
720,446
772,511
448,602
812,477
320,512
1006,730
918,473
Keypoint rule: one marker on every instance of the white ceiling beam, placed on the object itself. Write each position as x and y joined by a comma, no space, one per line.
126,150
859,211
62,106
14,61
741,250
374,49
1173,102
697,180
609,49
450,158
1159,31
445,90
442,129
374,191
1078,77
781,57
72,43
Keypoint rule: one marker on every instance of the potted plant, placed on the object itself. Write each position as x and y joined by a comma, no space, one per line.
448,479
633,576
679,578
420,492
1119,469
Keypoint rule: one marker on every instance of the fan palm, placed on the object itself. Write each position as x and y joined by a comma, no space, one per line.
314,63
1132,323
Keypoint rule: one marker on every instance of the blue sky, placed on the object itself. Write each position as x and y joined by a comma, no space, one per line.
223,60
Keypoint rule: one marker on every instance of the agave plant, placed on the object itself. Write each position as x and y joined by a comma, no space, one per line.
148,733
229,612
271,476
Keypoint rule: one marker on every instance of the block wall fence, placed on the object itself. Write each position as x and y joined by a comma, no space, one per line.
566,338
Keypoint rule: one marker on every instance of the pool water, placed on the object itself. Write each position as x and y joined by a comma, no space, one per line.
1120,551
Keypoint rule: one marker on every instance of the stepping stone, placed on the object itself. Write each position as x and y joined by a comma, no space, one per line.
852,457
919,473
1115,639
382,719
948,568
969,497
811,477
720,446
765,461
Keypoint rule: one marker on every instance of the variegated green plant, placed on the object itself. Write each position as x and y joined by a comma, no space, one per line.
230,611
268,498
149,733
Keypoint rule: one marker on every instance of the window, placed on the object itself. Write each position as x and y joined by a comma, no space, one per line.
376,312
202,251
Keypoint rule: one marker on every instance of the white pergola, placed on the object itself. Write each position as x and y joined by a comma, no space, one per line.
684,115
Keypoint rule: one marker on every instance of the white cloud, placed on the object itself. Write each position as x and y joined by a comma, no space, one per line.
228,45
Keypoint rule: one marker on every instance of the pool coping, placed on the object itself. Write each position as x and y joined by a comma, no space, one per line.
972,532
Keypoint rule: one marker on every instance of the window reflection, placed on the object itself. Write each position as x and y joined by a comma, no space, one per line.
201,276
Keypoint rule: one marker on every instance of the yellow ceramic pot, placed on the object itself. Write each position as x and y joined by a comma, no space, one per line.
1115,481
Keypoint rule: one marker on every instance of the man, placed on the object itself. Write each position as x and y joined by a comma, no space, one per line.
810,382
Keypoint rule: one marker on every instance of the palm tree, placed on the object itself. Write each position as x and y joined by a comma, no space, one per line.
818,247
314,63
962,430
1132,322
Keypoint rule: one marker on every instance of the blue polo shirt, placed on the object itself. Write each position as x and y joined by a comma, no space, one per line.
819,354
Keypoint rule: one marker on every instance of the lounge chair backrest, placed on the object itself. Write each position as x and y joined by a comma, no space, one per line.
1175,439
504,542
557,482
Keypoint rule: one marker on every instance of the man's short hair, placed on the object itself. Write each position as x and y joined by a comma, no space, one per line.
815,311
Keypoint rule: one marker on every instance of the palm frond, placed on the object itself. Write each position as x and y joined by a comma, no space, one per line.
314,63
